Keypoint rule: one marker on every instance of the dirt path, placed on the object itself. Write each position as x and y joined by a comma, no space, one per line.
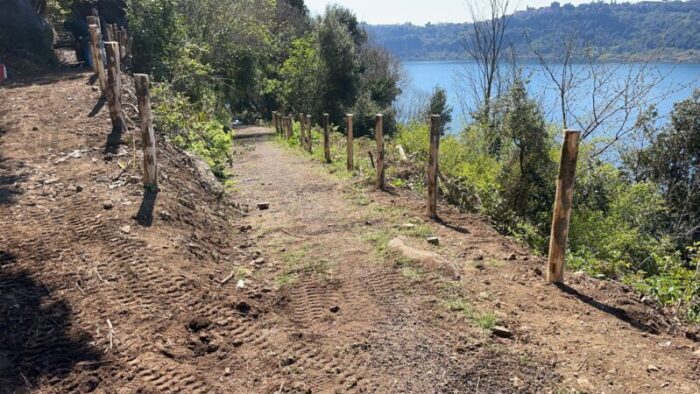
418,328
215,295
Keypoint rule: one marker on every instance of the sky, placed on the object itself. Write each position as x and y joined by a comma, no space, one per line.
418,12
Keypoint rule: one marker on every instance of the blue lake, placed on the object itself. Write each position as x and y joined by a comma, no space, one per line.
678,82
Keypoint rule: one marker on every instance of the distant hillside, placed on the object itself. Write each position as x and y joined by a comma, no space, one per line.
672,29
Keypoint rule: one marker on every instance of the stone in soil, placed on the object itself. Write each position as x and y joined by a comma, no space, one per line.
433,240
501,332
199,323
263,205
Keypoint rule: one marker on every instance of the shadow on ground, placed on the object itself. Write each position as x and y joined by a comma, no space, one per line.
37,338
8,178
145,215
636,320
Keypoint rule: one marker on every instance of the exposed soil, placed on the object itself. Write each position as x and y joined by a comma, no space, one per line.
105,288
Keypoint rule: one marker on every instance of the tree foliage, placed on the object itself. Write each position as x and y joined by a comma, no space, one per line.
616,31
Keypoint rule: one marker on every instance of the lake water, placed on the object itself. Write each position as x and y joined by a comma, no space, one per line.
679,80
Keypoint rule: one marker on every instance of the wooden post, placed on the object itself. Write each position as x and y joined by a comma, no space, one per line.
114,87
120,40
125,39
308,133
326,138
433,165
302,139
350,163
148,137
290,127
97,59
379,136
92,20
562,206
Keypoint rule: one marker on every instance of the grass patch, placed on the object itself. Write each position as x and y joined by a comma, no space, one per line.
417,230
379,240
286,279
358,198
485,321
298,262
411,273
495,263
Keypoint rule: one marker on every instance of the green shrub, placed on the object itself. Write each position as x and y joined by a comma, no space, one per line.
192,129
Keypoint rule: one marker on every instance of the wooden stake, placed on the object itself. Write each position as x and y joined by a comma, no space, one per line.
114,97
308,133
302,138
433,165
120,40
379,136
562,206
350,163
92,20
326,139
97,58
148,137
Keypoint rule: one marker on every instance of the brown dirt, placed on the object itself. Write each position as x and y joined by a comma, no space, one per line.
316,301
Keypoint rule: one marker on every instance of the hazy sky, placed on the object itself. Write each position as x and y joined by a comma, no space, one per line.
417,12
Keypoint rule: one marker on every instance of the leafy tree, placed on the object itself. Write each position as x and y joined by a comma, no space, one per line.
528,171
339,53
672,160
301,76
437,105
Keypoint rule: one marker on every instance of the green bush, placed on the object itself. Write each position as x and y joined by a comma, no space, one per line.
192,129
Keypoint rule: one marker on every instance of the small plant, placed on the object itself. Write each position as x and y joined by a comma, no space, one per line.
485,321
411,273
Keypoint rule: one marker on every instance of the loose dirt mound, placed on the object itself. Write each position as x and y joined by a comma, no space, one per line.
103,288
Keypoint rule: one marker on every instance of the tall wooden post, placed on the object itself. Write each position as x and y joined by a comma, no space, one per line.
114,87
308,134
326,138
350,163
120,40
379,135
93,20
562,206
302,138
97,57
96,15
148,137
433,165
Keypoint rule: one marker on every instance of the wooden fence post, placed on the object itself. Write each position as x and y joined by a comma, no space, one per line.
148,137
285,125
97,58
379,136
114,87
302,139
274,122
351,164
92,20
433,165
562,206
326,138
308,133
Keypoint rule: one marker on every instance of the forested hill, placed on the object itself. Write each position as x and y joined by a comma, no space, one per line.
670,29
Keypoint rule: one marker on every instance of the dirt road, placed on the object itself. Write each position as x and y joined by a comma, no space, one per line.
217,295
